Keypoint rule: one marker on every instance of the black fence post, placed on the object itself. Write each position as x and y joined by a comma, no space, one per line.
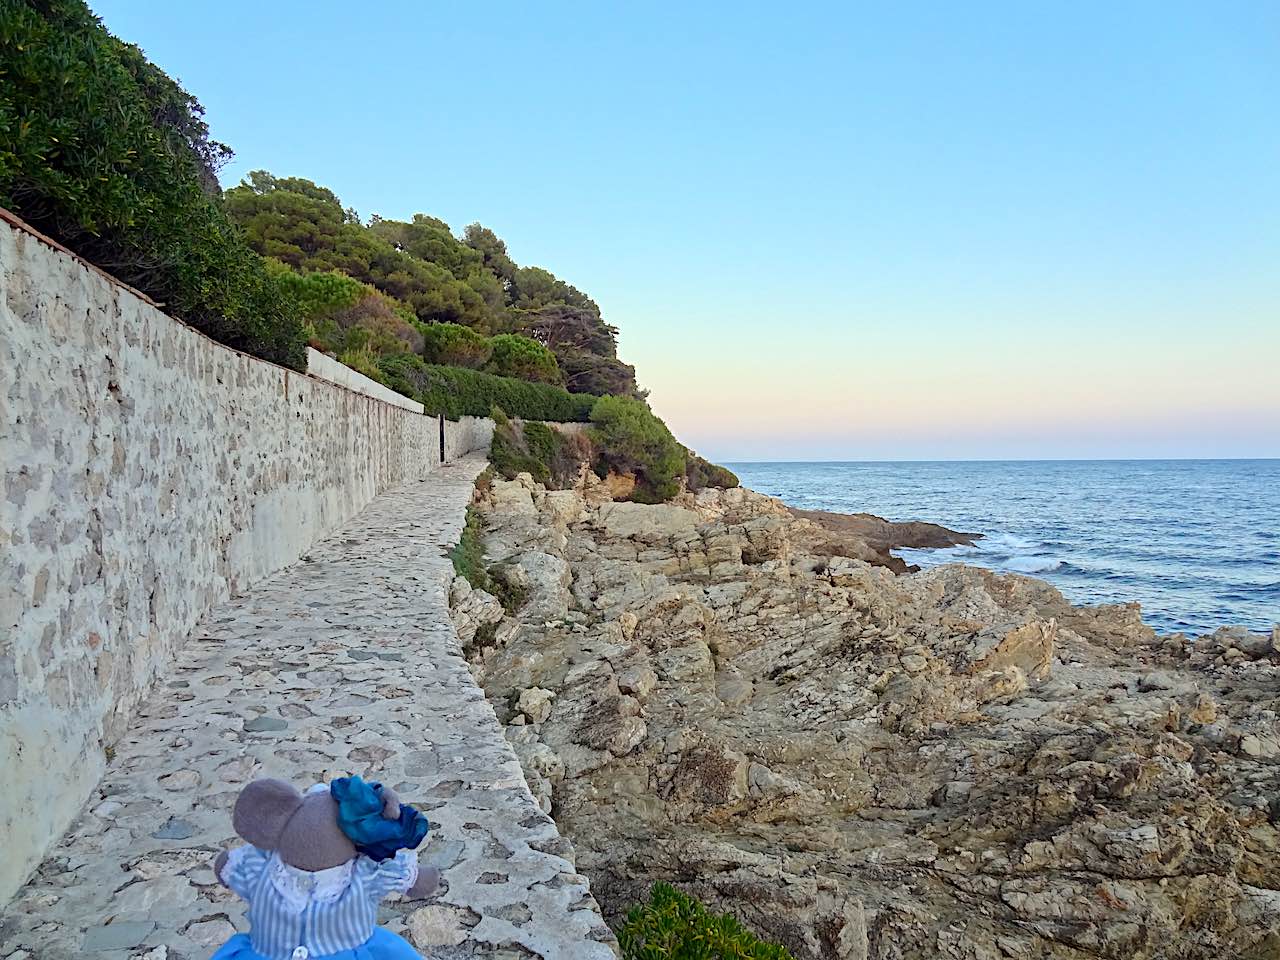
442,438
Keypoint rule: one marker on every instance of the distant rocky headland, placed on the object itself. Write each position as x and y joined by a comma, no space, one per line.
755,703
864,536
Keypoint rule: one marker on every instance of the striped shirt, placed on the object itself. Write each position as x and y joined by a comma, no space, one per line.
323,912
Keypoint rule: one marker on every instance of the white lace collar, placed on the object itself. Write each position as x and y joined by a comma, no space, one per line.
300,887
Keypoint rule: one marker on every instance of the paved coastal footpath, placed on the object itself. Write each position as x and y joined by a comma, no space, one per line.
343,663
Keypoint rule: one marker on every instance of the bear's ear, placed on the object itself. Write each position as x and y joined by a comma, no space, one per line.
262,810
390,804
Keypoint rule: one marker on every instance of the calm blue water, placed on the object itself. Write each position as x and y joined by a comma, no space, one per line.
1196,542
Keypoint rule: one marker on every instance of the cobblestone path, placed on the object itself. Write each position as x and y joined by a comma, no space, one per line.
344,663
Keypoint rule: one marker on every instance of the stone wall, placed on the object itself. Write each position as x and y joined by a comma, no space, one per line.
148,473
324,367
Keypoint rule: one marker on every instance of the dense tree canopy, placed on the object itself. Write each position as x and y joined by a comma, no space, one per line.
305,226
493,251
103,151
454,345
472,281
518,356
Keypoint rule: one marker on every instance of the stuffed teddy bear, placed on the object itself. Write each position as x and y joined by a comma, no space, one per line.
316,867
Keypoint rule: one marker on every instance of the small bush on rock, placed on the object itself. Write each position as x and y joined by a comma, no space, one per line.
468,563
547,455
700,474
630,439
468,555
510,455
673,926
510,594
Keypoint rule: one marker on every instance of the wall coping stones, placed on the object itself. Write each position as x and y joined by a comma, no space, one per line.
327,368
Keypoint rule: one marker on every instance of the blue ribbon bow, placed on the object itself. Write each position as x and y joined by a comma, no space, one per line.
360,818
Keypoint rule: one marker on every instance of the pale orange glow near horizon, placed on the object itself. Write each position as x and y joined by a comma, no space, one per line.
1212,394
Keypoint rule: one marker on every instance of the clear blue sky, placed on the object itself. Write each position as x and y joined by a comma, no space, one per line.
845,231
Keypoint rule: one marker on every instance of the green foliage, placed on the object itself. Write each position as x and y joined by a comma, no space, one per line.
518,356
509,454
468,555
630,439
344,315
305,226
535,287
493,253
429,238
454,345
584,345
541,441
457,392
362,360
586,372
510,594
104,152
471,282
372,323
549,456
700,474
468,563
674,926
320,293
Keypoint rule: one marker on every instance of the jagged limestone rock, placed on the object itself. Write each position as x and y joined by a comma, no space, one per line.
951,763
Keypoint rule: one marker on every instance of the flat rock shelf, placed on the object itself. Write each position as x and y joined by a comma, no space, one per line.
345,662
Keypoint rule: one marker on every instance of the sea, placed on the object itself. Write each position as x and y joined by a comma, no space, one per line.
1196,542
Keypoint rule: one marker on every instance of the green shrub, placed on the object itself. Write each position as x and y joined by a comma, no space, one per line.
509,454
377,324
468,555
673,926
552,458
453,345
319,293
541,441
518,356
468,563
630,439
360,359
700,474
510,594
458,392
104,152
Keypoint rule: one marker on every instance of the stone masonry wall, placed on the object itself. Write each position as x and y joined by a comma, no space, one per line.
324,367
148,473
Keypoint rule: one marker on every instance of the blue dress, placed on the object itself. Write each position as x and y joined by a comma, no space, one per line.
316,915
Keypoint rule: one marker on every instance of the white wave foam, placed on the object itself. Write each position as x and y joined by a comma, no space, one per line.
1031,564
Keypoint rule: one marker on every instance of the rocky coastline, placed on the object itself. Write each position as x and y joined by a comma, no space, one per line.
758,705
865,536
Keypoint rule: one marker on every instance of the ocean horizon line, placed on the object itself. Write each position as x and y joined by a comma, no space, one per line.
731,461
